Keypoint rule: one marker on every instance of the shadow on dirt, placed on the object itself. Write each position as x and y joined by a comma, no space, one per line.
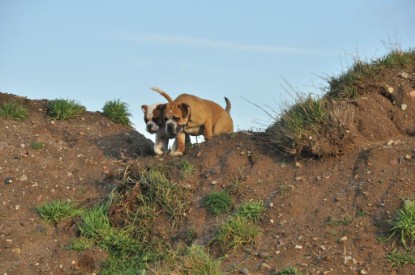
126,145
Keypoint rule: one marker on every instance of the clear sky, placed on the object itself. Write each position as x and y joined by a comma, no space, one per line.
95,51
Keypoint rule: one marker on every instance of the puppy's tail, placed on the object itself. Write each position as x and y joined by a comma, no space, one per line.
163,93
228,105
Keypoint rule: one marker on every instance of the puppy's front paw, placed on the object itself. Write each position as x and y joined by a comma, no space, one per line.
176,154
158,150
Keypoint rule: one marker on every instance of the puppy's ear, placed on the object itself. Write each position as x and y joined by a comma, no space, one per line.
144,108
161,107
159,111
185,108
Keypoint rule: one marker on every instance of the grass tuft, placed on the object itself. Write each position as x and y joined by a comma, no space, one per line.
13,111
170,197
64,109
236,231
55,211
95,223
197,261
346,85
117,111
251,210
37,145
217,203
289,270
398,259
299,124
186,169
403,224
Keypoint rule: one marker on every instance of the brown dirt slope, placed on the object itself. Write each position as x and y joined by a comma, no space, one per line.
322,215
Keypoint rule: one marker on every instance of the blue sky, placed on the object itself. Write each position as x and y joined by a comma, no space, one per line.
95,51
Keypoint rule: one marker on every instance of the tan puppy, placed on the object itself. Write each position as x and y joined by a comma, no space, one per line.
189,114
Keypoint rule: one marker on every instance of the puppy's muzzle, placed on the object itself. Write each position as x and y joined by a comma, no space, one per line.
173,129
152,127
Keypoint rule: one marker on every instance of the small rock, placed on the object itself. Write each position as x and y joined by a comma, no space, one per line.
393,162
23,178
408,157
363,271
22,145
214,182
40,229
404,75
244,271
412,94
298,247
264,255
347,259
8,180
404,107
343,239
297,164
390,142
265,267
390,89
322,248
271,205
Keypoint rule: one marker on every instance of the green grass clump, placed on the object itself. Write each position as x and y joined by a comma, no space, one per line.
55,211
126,254
403,224
197,261
64,109
299,124
251,210
81,243
186,169
398,259
346,85
37,145
117,111
159,191
240,229
289,270
217,203
236,231
95,223
13,111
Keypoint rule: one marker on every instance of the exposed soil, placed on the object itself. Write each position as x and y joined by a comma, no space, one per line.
322,215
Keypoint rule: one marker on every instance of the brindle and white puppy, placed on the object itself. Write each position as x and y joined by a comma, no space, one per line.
153,117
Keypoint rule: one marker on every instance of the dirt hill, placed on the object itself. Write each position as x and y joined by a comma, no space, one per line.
322,215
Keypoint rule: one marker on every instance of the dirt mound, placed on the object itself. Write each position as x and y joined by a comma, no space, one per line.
322,215
77,161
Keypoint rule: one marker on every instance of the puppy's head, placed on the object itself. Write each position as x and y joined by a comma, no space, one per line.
153,117
176,116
